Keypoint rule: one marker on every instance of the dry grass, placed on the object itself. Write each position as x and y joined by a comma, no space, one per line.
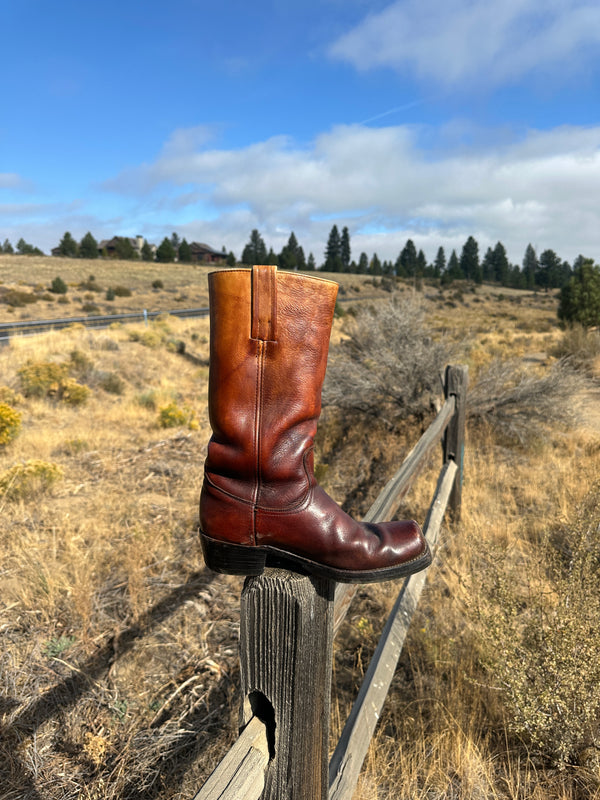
119,661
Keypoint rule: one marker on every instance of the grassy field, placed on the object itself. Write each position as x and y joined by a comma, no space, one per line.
119,661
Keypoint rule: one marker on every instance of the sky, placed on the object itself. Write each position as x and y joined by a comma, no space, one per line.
433,120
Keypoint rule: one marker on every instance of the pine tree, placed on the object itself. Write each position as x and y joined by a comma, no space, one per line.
175,241
68,246
345,251
7,247
363,264
311,264
165,252
88,247
124,249
147,252
333,251
580,297
288,258
408,260
255,252
469,261
230,261
453,272
184,252
501,265
375,267
549,270
439,265
530,267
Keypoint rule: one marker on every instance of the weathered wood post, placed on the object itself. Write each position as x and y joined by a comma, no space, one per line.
286,640
455,384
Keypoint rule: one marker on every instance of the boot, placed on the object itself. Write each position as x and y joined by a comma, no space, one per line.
260,503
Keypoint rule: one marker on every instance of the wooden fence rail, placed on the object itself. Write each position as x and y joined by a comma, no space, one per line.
288,622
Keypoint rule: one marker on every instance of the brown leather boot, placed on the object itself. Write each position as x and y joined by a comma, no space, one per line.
260,504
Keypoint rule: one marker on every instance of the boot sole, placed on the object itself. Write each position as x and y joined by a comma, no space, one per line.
236,559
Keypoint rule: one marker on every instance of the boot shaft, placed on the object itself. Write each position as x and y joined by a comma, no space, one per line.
269,343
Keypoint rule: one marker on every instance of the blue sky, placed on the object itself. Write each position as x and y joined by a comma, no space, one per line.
425,119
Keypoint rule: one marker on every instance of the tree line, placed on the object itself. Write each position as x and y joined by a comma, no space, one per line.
579,283
547,271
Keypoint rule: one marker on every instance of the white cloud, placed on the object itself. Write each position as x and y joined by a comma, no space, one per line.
474,41
540,188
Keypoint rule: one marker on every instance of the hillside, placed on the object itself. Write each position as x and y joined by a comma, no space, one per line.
119,663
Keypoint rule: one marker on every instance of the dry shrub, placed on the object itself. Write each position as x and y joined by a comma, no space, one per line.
10,423
389,365
581,347
30,479
518,403
51,379
542,642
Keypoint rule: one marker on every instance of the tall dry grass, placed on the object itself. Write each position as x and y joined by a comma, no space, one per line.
119,665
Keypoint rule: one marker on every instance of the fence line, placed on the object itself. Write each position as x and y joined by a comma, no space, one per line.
287,627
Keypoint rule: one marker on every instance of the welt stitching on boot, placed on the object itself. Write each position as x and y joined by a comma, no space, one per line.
260,504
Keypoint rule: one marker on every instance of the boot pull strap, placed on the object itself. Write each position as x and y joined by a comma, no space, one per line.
264,303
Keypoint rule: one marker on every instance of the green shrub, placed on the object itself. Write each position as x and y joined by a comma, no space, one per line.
73,393
110,294
42,378
158,284
122,291
58,286
150,337
111,382
172,416
17,299
50,379
29,479
10,423
90,308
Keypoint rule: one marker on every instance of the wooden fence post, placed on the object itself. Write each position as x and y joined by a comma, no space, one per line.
455,384
286,640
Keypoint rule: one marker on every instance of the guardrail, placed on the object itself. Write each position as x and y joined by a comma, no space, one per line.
33,327
288,622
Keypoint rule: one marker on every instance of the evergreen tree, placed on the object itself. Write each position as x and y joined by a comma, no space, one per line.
375,267
345,251
407,260
421,264
333,251
184,252
288,258
7,247
363,264
175,241
580,297
88,247
530,266
549,270
300,259
255,252
501,265
488,271
439,265
68,246
272,258
311,264
124,249
453,272
230,261
25,249
147,252
469,261
516,278
165,252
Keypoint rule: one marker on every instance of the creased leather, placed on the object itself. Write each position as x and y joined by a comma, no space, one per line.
268,356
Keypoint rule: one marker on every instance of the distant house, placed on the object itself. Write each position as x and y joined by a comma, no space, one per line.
204,254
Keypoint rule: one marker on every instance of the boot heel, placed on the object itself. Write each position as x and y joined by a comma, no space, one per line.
232,559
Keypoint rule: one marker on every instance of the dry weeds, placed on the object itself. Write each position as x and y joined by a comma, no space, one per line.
119,666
